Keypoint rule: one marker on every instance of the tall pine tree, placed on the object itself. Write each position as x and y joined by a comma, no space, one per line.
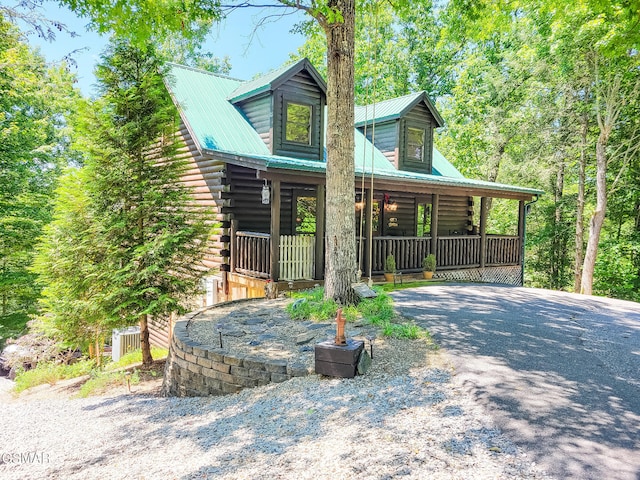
152,235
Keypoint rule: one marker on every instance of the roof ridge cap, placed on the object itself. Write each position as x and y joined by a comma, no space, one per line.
393,99
206,72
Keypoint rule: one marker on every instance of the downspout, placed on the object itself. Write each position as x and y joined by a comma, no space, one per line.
527,207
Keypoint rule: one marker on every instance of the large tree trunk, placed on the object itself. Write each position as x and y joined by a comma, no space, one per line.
597,219
145,345
577,276
340,270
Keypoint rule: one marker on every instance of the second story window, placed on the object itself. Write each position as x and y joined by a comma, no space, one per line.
298,123
415,144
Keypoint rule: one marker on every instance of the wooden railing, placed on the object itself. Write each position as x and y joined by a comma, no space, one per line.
408,252
451,252
252,254
462,251
297,253
297,257
503,250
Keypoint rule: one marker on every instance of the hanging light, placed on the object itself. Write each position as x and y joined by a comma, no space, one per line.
266,194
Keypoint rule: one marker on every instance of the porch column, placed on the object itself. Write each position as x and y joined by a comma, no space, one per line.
368,246
521,227
319,247
435,202
233,248
274,267
483,231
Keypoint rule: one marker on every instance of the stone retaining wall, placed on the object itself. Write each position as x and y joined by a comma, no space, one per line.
198,370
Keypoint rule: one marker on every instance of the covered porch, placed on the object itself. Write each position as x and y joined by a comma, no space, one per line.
408,221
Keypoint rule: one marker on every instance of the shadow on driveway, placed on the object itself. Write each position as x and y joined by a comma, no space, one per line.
560,372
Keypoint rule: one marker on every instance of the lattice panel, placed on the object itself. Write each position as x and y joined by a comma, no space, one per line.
503,275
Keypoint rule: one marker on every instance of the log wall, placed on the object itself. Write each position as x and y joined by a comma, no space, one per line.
206,177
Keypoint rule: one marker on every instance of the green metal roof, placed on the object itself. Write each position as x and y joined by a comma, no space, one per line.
272,79
393,109
441,166
218,127
215,123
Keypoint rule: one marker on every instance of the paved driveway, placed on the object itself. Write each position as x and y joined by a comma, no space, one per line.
559,372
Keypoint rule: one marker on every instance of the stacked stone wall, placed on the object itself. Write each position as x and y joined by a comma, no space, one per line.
193,369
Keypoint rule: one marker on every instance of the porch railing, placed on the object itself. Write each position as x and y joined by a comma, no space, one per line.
252,254
503,250
297,253
297,257
408,252
458,251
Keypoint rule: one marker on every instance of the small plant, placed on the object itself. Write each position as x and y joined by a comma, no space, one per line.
51,372
429,263
390,264
376,311
135,356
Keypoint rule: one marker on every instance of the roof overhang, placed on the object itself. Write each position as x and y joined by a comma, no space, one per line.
271,167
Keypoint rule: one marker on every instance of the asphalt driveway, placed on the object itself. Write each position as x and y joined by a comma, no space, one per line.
559,372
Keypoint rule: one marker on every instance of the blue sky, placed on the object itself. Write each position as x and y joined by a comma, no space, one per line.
267,49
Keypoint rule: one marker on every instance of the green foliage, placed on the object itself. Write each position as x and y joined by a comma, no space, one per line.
51,372
135,356
312,306
69,264
402,330
429,263
390,264
154,239
618,270
33,147
378,311
12,326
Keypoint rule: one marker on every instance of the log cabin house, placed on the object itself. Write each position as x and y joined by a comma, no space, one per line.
257,157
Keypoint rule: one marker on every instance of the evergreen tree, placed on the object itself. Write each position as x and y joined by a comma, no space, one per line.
152,236
68,263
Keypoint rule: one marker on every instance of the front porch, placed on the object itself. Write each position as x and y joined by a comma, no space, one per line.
280,240
251,254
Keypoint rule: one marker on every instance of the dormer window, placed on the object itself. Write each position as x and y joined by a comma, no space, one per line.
415,144
298,123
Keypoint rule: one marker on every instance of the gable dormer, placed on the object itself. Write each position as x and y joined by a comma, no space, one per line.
286,108
403,130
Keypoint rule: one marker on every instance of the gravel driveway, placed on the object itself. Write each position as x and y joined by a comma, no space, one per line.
406,418
559,372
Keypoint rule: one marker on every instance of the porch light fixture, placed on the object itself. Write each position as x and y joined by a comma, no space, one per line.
392,206
389,205
266,194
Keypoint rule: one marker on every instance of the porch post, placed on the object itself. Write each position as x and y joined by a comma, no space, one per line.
368,246
435,202
521,227
234,246
274,268
483,231
319,247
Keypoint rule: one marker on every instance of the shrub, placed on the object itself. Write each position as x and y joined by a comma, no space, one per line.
429,263
390,264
